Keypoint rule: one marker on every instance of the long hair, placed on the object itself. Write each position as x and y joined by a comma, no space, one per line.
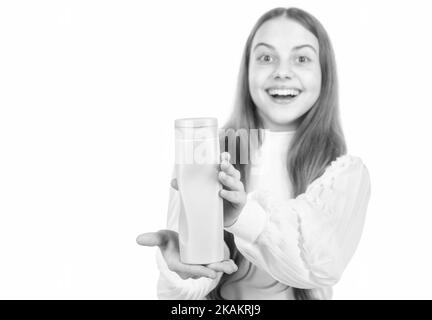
318,139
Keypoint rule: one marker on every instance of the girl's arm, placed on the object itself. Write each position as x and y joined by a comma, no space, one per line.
307,242
170,285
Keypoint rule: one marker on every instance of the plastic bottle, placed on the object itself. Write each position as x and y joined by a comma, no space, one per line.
201,216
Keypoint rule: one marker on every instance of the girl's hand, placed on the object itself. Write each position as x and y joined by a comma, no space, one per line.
234,194
167,241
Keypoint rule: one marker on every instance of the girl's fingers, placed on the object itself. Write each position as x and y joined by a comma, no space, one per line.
225,156
236,197
230,182
196,271
229,169
151,239
227,266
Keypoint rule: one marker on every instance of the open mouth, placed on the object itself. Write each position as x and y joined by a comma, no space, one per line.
283,95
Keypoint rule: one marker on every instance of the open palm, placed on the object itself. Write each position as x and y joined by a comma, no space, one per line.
167,241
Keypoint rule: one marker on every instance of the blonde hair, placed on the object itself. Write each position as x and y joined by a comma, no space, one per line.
318,139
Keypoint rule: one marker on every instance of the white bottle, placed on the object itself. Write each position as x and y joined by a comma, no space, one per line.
201,214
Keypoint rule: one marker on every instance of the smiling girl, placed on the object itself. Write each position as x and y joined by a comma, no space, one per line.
294,219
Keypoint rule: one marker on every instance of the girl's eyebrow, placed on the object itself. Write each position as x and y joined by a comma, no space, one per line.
305,46
264,44
295,48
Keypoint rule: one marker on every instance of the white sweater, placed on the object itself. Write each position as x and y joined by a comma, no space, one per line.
303,242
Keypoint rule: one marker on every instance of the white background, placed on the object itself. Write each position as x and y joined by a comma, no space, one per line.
89,91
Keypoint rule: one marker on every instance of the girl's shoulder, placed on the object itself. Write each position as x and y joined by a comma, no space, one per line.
345,161
346,166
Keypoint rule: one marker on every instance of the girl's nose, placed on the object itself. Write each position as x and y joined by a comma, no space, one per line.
283,72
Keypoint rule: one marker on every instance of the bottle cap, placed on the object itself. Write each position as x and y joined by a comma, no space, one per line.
196,122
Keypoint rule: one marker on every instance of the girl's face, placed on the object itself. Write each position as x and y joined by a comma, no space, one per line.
284,73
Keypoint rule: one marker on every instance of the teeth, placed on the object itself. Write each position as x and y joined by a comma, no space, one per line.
284,92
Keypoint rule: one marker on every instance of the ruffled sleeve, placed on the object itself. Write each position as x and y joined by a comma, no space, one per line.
170,285
307,242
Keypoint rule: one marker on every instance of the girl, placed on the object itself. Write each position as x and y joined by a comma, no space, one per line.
294,219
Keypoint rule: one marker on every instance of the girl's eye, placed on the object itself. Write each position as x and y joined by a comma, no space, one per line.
265,58
303,59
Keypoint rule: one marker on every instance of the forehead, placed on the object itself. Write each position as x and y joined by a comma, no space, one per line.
283,33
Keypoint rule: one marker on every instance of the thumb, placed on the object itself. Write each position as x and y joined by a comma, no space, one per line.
174,184
151,239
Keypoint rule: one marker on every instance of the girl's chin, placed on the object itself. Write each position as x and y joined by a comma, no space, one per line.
284,114
282,118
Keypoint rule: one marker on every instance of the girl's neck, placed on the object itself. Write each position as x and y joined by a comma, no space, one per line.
275,127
